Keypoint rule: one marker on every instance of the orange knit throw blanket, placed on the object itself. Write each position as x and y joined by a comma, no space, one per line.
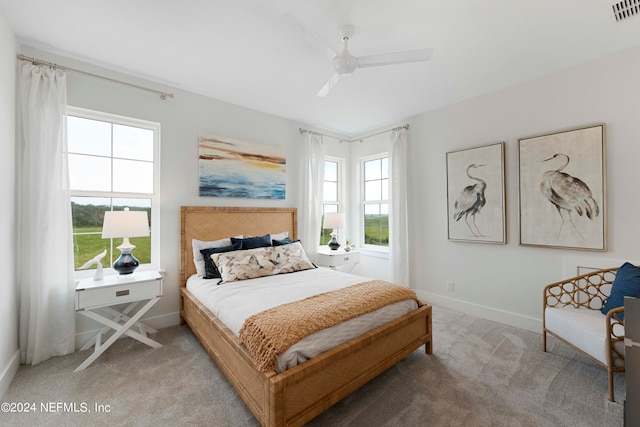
269,333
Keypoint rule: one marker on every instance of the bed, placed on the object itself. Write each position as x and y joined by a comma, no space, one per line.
296,395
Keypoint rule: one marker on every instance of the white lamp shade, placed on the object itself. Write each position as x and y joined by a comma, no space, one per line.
125,223
334,220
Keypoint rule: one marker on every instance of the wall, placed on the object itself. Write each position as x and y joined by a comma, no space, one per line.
504,282
9,354
181,119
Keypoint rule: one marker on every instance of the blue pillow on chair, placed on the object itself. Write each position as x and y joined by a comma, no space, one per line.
626,284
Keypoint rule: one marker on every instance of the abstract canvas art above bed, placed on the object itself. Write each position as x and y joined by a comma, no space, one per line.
240,169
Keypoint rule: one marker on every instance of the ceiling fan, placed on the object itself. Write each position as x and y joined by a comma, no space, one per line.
344,63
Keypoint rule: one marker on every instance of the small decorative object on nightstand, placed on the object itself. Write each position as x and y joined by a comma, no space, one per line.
125,224
336,258
335,221
95,299
348,246
99,275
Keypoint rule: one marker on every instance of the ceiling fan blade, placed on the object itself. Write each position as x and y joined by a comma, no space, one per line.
330,84
404,57
310,36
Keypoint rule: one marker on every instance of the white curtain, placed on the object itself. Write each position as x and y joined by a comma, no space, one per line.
398,222
45,270
310,219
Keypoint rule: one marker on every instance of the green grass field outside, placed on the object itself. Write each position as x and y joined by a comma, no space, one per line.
88,242
376,230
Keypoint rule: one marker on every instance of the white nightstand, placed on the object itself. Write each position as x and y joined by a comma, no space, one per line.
328,258
95,299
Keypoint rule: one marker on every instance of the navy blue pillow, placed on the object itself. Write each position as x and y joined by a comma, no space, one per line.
210,268
281,242
254,242
626,284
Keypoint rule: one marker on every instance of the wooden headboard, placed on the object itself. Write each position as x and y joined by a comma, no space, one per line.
215,222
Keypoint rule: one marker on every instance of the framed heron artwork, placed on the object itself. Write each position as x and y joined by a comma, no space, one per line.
476,194
562,189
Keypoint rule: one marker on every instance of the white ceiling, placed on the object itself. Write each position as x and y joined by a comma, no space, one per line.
265,54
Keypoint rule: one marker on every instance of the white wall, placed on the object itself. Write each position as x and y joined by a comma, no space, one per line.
505,282
9,354
181,119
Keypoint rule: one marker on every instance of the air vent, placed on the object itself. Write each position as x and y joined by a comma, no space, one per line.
626,9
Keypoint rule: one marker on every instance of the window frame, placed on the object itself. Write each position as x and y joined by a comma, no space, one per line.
154,197
364,202
340,192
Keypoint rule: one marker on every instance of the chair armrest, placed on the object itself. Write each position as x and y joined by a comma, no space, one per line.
615,332
612,319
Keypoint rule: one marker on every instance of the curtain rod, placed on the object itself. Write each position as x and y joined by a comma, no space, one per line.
35,61
302,130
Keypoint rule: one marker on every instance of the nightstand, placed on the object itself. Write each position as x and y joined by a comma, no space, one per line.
95,300
328,258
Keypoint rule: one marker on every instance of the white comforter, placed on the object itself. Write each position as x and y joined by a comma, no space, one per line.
232,303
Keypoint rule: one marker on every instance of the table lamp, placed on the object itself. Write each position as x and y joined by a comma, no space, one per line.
335,221
125,224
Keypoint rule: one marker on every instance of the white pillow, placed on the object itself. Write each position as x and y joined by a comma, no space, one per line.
277,236
197,245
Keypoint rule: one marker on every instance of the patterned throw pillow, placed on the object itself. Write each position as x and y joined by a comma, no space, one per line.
252,263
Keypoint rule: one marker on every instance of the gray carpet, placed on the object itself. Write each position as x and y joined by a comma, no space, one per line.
482,373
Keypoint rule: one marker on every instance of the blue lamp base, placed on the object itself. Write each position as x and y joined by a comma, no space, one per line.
126,263
333,243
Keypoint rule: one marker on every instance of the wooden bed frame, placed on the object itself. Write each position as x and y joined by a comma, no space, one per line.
297,395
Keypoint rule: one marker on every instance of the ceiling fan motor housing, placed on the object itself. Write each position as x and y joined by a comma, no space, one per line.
345,64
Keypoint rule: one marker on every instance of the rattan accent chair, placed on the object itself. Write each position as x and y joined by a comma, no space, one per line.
571,313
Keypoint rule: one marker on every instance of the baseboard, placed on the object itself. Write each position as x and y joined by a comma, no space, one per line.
9,372
497,315
156,322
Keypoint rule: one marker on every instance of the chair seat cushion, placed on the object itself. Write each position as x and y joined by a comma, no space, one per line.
584,328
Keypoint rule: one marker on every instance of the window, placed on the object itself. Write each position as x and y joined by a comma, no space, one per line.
376,201
113,164
331,194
